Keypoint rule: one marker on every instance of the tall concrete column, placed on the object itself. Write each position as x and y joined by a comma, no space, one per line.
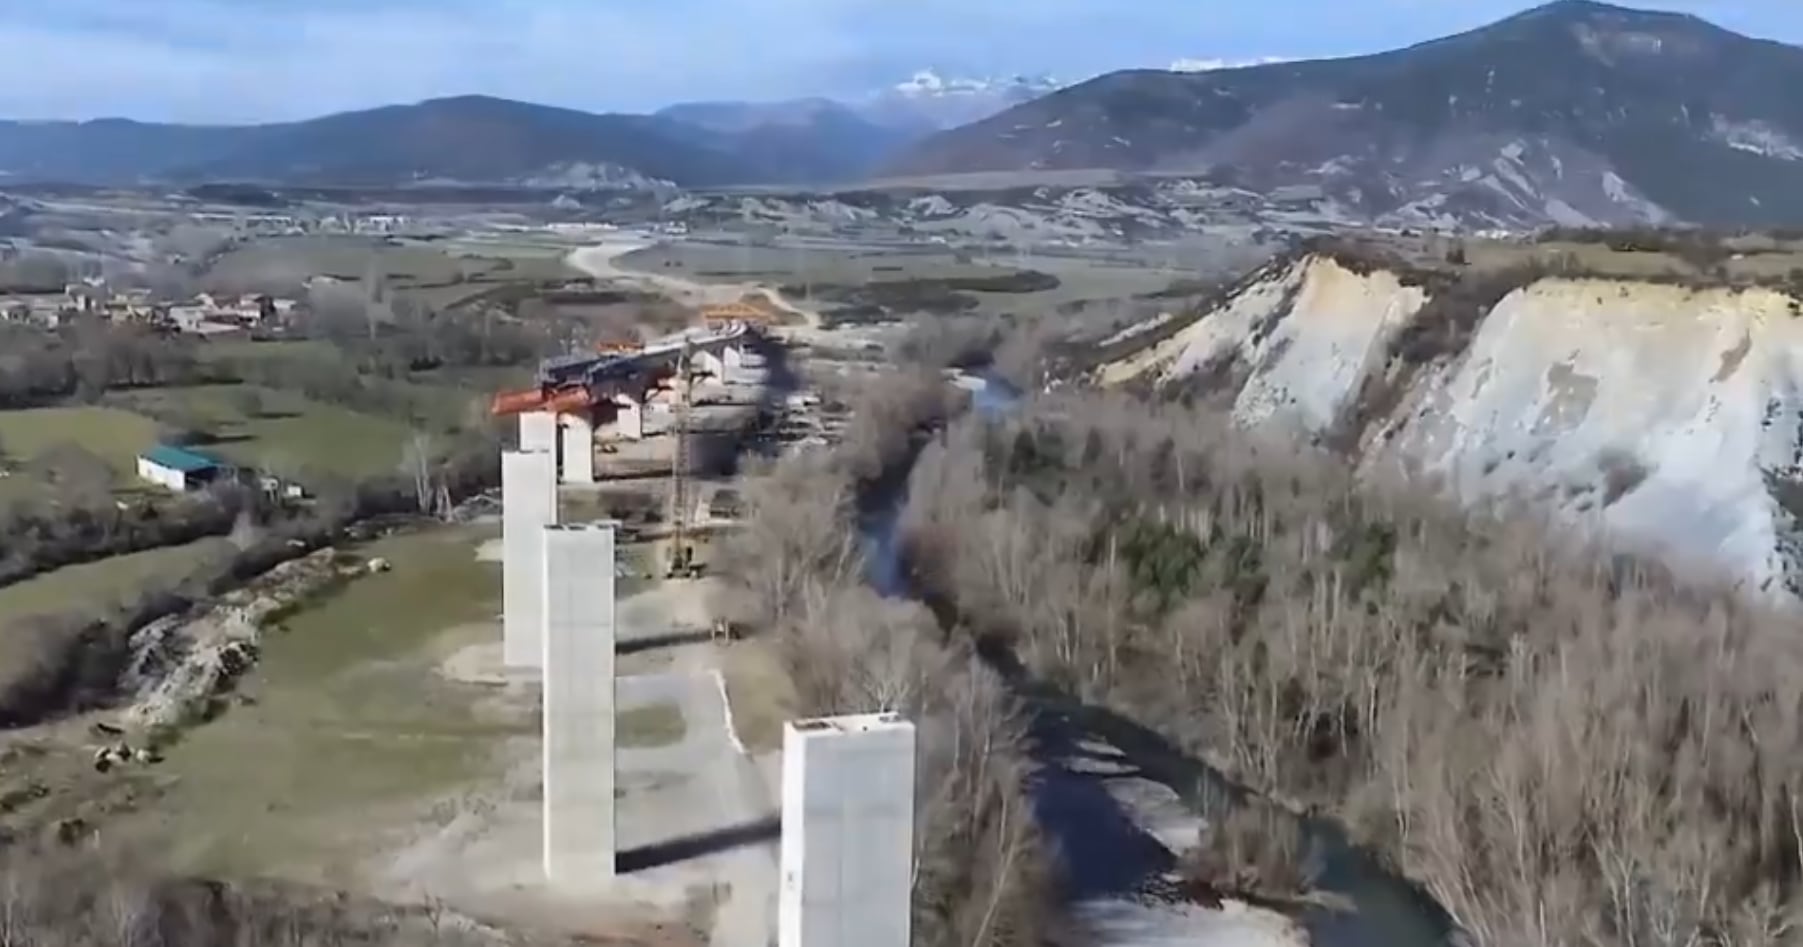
708,363
578,449
629,418
579,703
528,505
848,832
538,432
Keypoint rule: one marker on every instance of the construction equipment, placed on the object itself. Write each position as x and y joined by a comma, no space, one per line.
723,314
516,402
562,400
682,554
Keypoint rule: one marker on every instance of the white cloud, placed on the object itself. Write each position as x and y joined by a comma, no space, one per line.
1212,65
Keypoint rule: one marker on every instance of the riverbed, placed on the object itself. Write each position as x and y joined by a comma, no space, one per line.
1120,804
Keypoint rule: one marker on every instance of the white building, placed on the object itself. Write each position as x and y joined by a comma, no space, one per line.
178,468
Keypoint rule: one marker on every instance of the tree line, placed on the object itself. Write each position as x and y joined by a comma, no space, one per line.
1564,745
983,875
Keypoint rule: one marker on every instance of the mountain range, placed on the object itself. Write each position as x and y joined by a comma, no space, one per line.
1572,112
484,140
1575,112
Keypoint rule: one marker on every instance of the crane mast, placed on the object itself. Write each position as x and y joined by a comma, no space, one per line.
681,555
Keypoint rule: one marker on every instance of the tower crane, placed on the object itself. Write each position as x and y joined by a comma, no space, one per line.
682,554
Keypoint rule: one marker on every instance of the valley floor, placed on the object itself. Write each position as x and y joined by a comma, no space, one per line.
379,749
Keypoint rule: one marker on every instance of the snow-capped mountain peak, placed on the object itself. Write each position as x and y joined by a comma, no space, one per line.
1216,64
928,83
932,100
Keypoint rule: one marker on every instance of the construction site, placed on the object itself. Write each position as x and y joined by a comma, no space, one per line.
533,722
668,418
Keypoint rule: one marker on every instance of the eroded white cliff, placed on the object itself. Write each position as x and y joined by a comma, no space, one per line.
1654,413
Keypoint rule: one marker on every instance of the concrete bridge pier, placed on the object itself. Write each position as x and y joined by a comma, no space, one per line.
528,505
848,832
578,657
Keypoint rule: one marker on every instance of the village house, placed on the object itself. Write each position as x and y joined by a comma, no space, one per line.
44,309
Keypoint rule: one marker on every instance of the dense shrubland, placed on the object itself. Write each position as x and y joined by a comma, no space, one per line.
93,899
86,359
1564,747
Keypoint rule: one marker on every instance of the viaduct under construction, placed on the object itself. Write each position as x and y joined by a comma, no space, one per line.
585,404
845,860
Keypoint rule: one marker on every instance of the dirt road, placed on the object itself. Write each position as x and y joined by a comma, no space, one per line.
696,824
602,263
723,797
724,794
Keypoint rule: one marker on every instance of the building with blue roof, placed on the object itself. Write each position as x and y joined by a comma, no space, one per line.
179,468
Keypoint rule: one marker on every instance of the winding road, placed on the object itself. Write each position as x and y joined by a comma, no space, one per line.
602,262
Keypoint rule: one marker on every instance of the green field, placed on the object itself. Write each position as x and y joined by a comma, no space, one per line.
449,389
731,263
113,435
349,719
100,585
345,258
116,436
290,434
829,272
238,349
439,274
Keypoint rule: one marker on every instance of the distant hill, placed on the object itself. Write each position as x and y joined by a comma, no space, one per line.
827,141
481,140
804,141
473,139
1574,112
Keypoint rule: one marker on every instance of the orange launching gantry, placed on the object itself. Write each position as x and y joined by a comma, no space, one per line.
539,399
566,382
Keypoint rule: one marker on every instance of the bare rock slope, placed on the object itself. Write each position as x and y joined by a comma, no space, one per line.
1665,412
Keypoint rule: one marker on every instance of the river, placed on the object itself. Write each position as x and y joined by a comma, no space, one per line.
1118,800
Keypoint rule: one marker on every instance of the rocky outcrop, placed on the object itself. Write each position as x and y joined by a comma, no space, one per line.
180,664
1662,413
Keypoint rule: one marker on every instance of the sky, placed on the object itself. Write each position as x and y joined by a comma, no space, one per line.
270,60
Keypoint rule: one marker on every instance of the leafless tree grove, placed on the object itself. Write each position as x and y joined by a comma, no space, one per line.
981,874
1565,747
83,898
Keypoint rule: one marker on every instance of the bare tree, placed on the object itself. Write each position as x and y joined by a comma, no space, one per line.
127,913
982,874
1564,745
418,463
245,532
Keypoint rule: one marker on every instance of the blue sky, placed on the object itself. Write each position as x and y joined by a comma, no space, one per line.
245,60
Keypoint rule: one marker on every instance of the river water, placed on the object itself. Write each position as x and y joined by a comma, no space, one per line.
1107,852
